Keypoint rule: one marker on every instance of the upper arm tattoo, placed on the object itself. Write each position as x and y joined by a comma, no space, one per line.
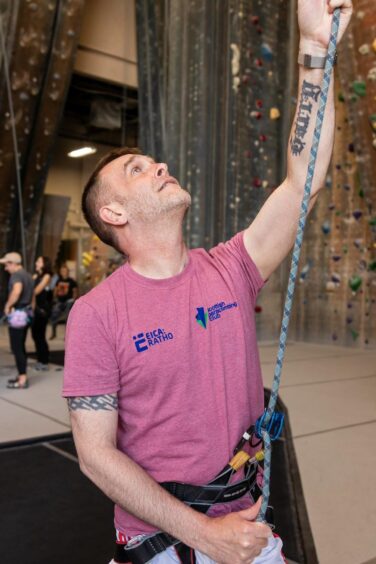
107,402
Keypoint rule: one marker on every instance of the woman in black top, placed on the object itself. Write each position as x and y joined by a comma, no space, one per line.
43,299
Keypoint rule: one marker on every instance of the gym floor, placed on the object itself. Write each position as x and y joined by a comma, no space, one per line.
330,394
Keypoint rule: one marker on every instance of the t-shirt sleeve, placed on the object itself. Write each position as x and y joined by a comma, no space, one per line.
16,277
234,258
90,366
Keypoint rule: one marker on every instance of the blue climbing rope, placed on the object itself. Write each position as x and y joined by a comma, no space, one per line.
268,427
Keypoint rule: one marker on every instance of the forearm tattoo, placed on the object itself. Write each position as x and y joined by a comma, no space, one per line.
108,402
309,92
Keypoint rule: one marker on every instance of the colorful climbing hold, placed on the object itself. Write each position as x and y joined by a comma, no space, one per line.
330,286
274,113
372,74
355,283
325,227
341,97
266,52
305,270
354,334
364,49
359,87
357,214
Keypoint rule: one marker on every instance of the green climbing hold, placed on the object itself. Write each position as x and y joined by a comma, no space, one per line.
359,87
361,193
354,334
372,221
355,282
341,97
372,266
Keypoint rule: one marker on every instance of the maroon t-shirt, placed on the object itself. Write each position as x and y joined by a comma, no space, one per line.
181,354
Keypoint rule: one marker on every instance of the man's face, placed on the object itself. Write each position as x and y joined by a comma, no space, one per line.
11,267
144,187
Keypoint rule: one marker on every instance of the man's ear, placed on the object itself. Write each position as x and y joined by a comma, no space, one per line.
113,214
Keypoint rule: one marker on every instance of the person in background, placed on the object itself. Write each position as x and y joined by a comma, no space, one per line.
43,307
18,309
65,292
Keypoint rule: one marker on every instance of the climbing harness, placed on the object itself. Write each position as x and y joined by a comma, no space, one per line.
268,427
200,498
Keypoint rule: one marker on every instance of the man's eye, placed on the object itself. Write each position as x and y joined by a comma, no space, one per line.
135,170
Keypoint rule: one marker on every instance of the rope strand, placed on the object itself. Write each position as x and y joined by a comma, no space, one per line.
268,414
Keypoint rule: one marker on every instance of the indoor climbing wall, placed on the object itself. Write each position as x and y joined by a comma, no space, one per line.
39,42
216,83
336,293
217,94
97,262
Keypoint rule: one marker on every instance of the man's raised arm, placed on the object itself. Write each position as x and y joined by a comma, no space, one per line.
270,237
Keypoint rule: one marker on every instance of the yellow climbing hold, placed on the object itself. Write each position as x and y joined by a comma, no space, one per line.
275,113
374,45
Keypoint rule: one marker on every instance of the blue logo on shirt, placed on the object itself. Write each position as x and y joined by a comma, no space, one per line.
214,312
202,317
143,341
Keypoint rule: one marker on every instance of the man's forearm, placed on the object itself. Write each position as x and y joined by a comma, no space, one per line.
12,299
301,137
128,485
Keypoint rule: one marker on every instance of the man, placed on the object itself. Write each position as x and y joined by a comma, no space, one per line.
18,305
162,372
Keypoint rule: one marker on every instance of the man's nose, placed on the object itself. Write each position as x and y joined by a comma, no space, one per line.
161,169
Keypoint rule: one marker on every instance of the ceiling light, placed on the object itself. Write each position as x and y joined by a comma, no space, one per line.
82,152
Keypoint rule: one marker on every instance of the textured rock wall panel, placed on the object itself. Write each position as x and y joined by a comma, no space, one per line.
335,300
41,38
215,104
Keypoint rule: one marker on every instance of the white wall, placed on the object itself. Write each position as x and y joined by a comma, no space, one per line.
107,44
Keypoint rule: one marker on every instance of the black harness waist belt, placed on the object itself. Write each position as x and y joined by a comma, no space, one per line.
200,498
